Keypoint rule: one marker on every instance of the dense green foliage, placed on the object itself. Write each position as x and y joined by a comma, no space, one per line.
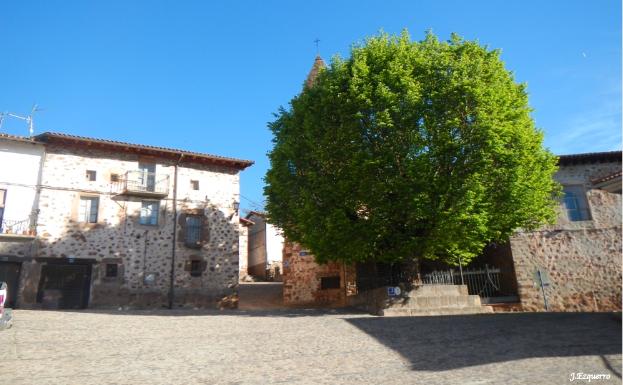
409,149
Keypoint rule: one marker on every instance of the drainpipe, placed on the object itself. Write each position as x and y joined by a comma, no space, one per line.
172,282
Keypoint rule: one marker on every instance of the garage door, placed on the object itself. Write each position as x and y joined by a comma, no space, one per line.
9,273
64,286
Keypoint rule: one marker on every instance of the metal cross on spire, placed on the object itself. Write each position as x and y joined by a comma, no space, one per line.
317,49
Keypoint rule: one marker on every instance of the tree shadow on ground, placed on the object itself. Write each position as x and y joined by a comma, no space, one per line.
447,342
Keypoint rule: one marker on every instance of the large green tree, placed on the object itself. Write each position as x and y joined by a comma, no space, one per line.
409,149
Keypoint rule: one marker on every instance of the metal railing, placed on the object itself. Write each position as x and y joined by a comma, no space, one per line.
21,227
142,182
485,282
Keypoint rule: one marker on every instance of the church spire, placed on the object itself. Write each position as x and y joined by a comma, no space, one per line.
319,64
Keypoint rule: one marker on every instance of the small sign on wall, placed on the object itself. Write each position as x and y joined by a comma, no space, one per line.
393,291
303,253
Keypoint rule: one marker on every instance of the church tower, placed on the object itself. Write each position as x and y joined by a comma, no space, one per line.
319,64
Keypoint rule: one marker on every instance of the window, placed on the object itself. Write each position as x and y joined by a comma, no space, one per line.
111,270
87,212
576,203
147,176
330,282
91,175
114,177
195,268
149,213
194,184
194,224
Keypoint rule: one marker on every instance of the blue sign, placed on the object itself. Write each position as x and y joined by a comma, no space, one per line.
393,291
303,253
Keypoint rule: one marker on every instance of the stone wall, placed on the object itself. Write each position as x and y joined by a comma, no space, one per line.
141,252
302,279
257,246
17,247
581,258
243,258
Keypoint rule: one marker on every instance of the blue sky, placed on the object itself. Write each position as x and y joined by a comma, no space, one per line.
207,76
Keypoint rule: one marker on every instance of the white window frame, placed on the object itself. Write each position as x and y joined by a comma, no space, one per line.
147,176
576,204
88,209
149,214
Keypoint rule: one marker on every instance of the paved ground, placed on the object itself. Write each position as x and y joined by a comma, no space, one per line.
306,347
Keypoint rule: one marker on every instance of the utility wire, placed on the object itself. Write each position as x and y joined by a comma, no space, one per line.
254,203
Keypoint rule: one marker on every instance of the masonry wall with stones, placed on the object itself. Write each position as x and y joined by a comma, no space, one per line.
142,253
581,258
302,279
243,255
257,246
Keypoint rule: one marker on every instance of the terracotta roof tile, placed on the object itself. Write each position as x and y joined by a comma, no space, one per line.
590,157
238,163
16,138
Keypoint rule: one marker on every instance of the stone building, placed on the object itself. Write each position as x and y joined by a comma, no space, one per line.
243,255
580,255
265,245
121,224
307,283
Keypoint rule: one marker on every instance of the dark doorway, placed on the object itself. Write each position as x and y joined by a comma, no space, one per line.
372,275
9,273
64,286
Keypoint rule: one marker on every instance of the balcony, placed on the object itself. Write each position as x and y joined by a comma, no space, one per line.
16,230
142,184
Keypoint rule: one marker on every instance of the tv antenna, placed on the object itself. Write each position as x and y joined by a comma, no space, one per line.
29,118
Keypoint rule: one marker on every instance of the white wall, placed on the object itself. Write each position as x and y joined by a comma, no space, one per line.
274,244
20,163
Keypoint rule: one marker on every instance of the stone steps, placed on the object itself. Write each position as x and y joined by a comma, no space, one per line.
397,312
429,300
438,290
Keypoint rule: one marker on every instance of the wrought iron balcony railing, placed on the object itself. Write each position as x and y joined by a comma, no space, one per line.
14,227
142,183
